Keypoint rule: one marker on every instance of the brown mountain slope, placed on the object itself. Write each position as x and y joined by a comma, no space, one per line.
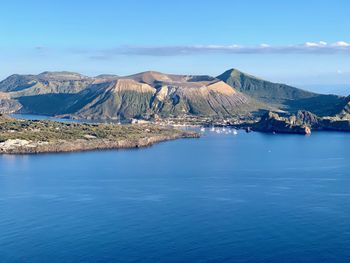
123,98
145,94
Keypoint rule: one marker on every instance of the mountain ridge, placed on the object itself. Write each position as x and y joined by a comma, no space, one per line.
282,96
151,93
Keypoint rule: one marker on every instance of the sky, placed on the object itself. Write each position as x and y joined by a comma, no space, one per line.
296,42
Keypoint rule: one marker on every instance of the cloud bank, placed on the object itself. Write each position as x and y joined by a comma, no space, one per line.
320,47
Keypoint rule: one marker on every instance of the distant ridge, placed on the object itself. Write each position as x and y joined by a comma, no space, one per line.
61,75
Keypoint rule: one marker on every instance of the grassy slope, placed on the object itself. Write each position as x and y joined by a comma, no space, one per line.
53,131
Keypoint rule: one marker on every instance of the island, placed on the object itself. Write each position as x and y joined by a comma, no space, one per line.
233,98
45,136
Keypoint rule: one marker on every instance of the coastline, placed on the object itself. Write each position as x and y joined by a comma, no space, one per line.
35,136
43,136
81,145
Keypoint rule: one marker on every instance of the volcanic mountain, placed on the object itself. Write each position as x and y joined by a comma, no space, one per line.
151,93
148,93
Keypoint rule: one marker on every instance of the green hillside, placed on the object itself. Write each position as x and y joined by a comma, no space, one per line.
283,96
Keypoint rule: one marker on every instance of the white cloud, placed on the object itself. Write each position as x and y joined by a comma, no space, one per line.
320,47
316,44
341,44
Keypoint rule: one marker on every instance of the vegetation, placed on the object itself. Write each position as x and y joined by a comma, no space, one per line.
89,136
282,96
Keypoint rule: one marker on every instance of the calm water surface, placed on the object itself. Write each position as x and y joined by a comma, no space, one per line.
246,198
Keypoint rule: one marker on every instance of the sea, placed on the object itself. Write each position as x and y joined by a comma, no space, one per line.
225,197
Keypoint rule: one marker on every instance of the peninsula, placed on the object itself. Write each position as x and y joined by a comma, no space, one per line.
29,136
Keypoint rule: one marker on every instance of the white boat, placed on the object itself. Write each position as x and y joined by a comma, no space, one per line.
235,132
202,129
212,129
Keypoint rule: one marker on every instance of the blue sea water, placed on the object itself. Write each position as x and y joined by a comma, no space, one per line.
221,198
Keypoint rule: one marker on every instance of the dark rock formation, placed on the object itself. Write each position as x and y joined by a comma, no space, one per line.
306,117
335,124
273,123
301,123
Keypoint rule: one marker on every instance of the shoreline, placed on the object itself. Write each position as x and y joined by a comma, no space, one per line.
45,136
303,123
92,145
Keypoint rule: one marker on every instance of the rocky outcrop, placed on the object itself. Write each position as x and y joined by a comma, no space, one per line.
306,117
273,123
302,122
335,123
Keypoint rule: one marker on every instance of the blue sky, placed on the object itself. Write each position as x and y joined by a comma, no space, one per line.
297,42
